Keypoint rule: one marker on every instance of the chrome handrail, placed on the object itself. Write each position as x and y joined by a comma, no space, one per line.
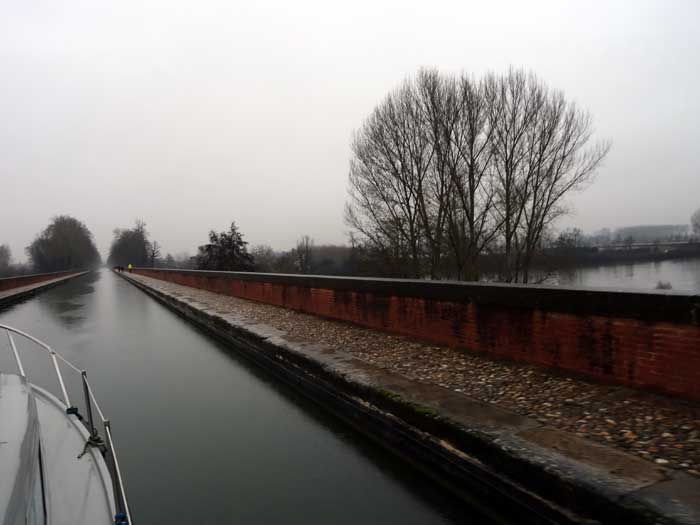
123,516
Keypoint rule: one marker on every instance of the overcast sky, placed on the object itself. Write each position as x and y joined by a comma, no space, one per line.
191,114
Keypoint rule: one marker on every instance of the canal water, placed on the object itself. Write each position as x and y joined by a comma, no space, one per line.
203,436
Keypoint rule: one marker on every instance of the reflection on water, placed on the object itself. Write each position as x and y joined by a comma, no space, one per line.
203,436
682,274
68,302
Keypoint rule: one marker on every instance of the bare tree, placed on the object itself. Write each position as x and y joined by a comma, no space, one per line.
436,119
569,238
390,162
264,258
5,259
303,255
472,228
516,103
559,161
695,222
447,168
420,176
153,252
541,155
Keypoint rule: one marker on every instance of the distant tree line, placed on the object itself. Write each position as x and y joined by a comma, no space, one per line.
621,236
228,251
65,244
6,266
133,246
572,248
695,223
225,251
308,258
649,233
447,169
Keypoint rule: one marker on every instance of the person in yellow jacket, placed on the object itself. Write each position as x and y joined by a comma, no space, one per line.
130,267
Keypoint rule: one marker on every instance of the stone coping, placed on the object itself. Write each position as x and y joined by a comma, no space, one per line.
649,305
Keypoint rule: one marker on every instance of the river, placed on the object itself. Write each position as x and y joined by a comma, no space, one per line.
203,436
681,274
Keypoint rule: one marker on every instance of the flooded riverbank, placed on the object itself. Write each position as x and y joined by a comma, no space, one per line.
680,274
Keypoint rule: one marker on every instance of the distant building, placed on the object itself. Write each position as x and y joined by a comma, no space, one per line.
654,232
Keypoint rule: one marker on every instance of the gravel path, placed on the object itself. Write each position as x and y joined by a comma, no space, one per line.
21,289
658,428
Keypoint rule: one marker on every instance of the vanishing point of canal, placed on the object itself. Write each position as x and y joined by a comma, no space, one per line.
203,436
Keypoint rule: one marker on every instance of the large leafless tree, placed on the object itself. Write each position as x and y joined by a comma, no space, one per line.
447,168
472,226
303,255
154,254
391,156
542,153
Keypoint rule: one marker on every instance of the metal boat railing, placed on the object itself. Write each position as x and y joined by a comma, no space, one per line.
123,516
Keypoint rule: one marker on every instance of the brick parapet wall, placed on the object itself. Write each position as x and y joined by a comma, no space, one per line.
8,283
648,340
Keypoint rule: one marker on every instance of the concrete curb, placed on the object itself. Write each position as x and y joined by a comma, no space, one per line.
487,456
8,300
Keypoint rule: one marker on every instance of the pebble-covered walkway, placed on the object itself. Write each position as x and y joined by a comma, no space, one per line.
8,294
657,428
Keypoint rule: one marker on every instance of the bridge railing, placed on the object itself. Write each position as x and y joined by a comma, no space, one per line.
123,511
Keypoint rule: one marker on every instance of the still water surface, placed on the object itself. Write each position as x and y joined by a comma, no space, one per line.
205,438
681,274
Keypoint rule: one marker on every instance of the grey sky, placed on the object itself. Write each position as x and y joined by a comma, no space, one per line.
192,114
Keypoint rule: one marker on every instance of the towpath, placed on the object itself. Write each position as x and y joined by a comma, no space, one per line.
15,294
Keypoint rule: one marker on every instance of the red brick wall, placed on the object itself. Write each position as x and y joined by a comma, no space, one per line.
661,355
8,283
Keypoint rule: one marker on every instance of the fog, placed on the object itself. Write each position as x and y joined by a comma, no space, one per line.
189,115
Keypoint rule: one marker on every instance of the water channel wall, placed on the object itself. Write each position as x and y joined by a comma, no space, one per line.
647,340
7,283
